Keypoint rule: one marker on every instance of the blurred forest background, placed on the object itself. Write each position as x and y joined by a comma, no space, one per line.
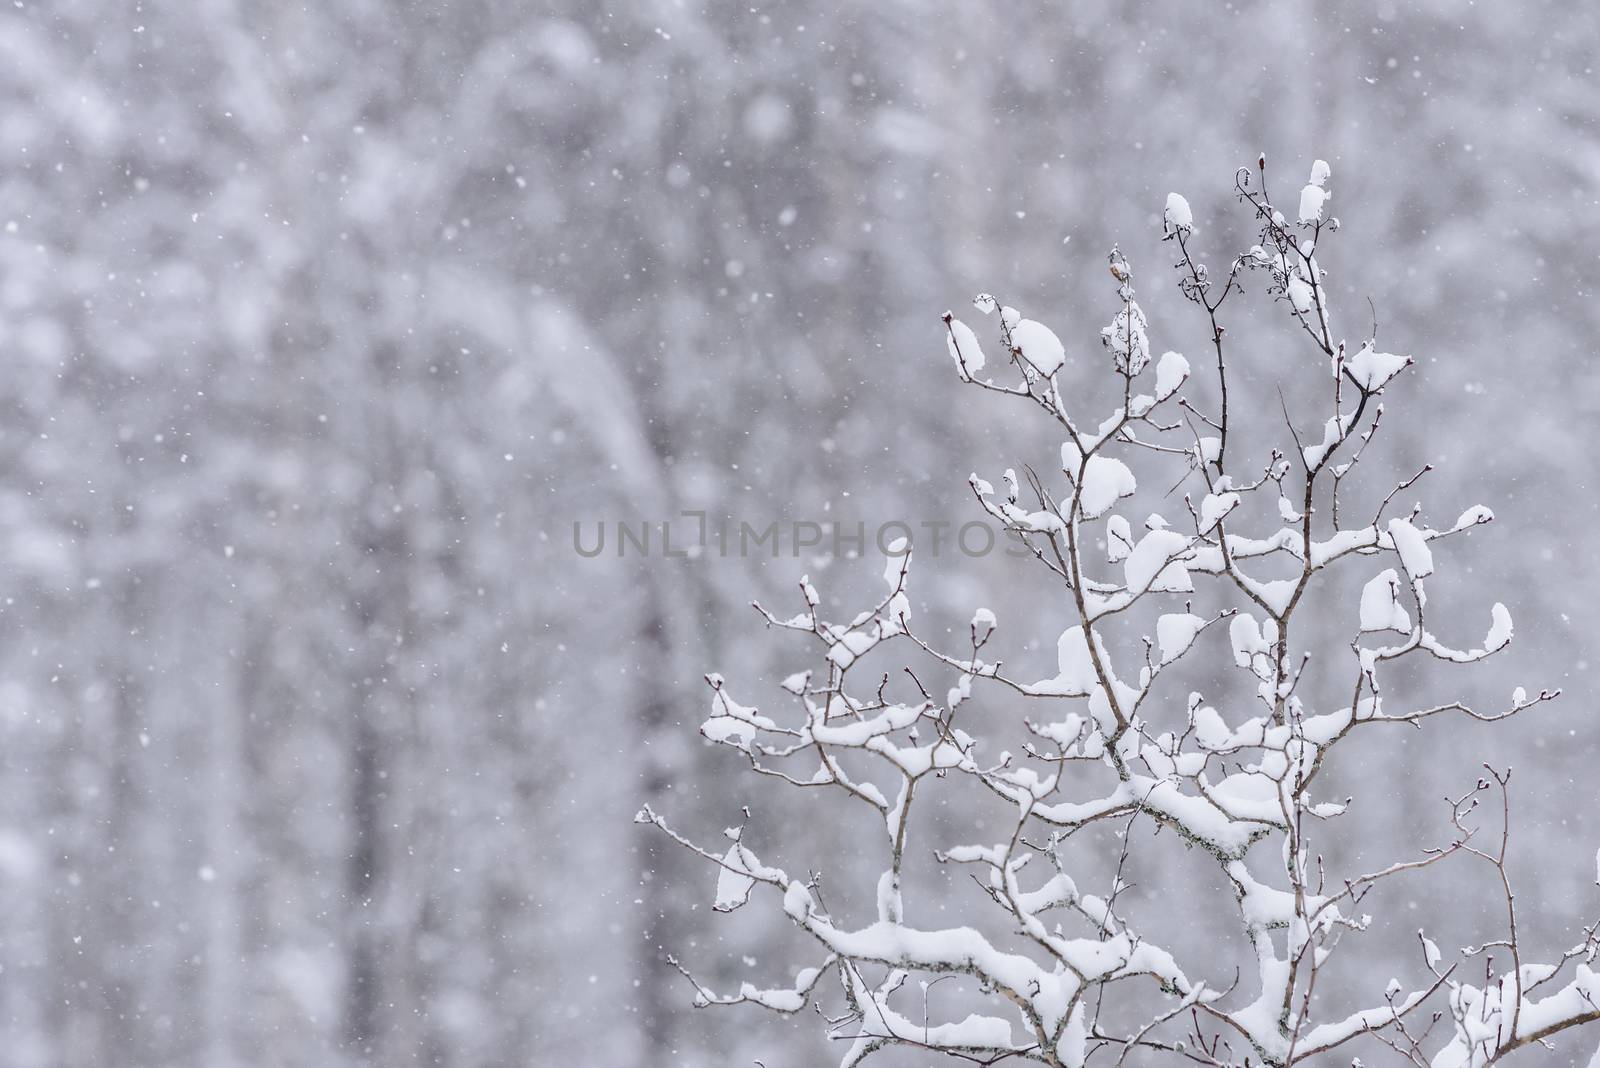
319,744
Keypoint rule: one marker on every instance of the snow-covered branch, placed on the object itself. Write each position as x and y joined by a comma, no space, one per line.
1114,740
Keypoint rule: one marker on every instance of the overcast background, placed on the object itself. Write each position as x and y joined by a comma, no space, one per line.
324,323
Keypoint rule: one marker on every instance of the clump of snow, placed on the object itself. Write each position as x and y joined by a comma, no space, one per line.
1127,338
1373,369
1209,729
1499,629
1075,674
983,624
847,646
1380,604
1430,950
787,1001
1155,564
964,348
733,884
1332,434
1175,633
1171,371
1311,200
1300,294
1039,345
1119,539
731,723
974,1032
1214,508
1315,194
889,898
1103,481
1177,215
797,902
1415,556
1245,635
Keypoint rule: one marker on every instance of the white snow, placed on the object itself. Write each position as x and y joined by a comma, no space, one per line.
1215,508
790,1000
731,723
1380,604
1499,635
1300,294
1332,434
1177,215
1104,480
1415,556
1075,675
848,646
1119,539
964,348
1175,632
1245,635
1038,345
890,903
1315,194
1210,731
733,884
1155,564
1374,369
797,902
1127,338
1311,200
983,623
1171,371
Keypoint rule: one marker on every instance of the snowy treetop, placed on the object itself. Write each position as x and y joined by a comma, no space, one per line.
1241,782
